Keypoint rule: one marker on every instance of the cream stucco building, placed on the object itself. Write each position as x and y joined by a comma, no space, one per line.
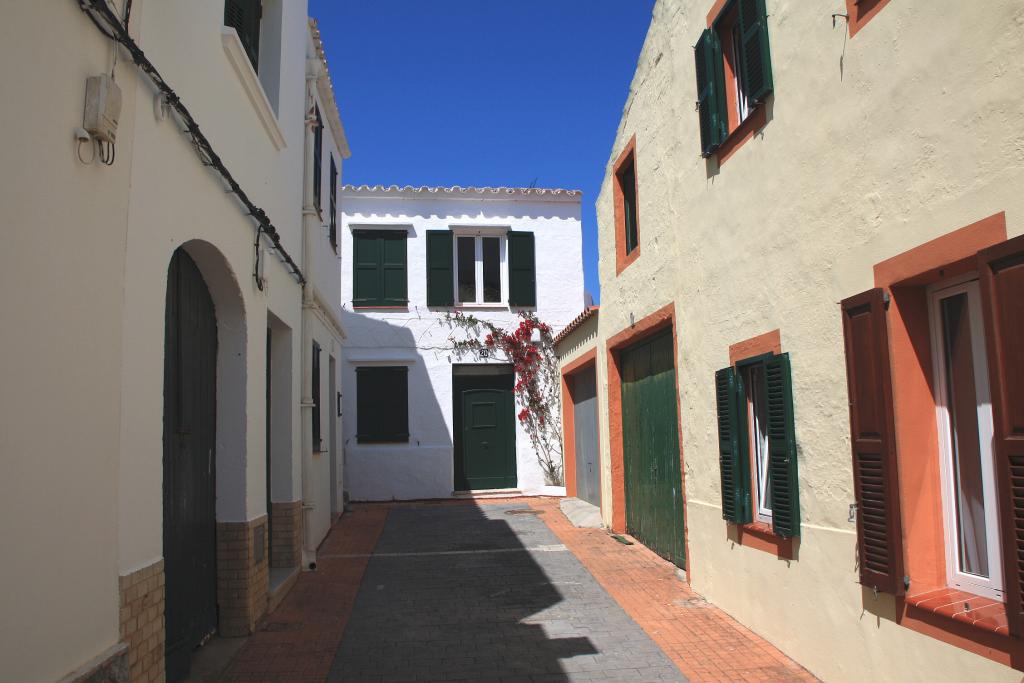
172,329
823,475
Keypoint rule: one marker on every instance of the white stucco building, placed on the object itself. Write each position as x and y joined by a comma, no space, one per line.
420,421
163,310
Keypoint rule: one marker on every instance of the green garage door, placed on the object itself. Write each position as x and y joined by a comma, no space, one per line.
650,438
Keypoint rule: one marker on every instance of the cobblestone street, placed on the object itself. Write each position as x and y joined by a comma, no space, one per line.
497,591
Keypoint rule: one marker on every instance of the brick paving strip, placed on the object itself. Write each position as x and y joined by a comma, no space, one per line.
298,641
702,640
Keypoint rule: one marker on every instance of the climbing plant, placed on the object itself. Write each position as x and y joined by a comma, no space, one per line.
530,349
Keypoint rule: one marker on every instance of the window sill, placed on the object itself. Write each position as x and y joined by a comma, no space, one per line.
759,536
382,442
985,614
252,86
627,259
476,306
372,307
755,121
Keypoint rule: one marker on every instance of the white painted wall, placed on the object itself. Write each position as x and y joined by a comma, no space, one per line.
83,278
424,468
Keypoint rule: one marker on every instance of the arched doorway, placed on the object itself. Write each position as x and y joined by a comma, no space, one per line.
189,464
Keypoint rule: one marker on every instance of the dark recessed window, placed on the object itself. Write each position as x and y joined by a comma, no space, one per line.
492,269
626,177
382,404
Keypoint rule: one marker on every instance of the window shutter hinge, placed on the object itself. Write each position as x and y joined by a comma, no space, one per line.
906,582
886,299
853,513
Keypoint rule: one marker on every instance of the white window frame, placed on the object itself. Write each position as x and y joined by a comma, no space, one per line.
993,586
478,234
758,448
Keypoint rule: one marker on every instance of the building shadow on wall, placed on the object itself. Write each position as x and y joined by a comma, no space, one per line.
451,593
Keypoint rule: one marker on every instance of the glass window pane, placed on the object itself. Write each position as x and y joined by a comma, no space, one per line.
467,268
758,407
962,412
492,269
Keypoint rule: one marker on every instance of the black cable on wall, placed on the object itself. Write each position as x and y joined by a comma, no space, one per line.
110,25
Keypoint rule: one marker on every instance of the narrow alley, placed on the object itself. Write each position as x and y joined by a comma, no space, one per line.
496,590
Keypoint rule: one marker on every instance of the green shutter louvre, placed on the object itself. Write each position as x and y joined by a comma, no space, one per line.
755,55
710,92
782,459
440,268
732,455
522,270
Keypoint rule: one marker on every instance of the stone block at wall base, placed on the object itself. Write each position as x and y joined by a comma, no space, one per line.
242,575
142,622
286,544
110,666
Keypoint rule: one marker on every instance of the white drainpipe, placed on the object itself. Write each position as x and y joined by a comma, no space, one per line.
310,226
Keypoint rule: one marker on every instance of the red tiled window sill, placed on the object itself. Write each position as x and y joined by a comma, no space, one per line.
760,536
984,613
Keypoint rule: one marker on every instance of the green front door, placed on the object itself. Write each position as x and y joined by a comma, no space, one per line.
650,439
485,435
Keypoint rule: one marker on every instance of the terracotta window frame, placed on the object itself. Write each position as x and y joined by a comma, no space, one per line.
586,361
655,323
623,258
930,606
757,534
721,19
860,12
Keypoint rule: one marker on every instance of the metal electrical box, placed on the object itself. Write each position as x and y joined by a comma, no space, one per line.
102,107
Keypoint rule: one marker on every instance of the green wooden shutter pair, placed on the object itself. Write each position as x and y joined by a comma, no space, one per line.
734,446
379,268
755,70
382,404
244,16
522,269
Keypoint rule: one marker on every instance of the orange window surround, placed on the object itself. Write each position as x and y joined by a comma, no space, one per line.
759,535
739,131
930,607
861,12
622,259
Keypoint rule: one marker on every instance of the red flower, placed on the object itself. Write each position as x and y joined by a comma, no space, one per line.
524,415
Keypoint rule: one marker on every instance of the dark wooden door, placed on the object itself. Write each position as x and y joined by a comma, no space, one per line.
485,435
584,399
650,437
190,376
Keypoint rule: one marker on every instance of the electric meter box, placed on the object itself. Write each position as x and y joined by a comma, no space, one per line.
102,107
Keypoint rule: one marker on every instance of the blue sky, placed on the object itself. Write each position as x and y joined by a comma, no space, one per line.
484,92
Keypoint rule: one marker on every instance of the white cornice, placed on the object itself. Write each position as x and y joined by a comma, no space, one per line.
457,192
326,90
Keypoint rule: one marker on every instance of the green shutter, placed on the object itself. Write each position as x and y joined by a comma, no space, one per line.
754,52
334,204
440,268
382,404
522,270
782,460
714,122
244,16
366,283
732,447
394,284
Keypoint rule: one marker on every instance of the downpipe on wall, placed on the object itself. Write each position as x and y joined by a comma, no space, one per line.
310,224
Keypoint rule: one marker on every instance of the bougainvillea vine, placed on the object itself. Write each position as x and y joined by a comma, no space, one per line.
530,349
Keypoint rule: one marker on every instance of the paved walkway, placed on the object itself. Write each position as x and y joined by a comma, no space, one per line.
498,591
